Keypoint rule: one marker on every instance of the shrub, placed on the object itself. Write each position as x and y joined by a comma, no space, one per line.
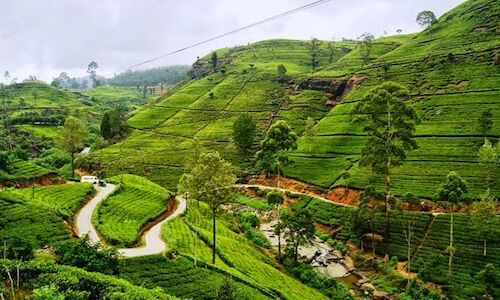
91,257
274,198
249,220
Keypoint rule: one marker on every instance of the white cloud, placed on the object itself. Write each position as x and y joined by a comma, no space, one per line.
44,38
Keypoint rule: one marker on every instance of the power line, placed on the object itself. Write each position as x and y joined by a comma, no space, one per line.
281,15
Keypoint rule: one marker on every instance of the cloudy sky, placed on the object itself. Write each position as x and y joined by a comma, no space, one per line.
46,37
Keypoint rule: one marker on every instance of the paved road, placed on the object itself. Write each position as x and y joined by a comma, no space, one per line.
84,219
153,243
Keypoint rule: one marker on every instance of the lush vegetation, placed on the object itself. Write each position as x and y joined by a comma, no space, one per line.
38,221
163,75
191,236
122,215
51,281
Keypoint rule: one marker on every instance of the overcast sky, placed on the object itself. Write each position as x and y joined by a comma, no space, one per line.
46,37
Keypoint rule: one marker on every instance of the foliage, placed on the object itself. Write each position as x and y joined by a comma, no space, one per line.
244,130
366,46
278,139
489,156
75,283
210,180
281,70
275,198
453,189
161,75
214,60
426,18
71,137
483,220
485,121
314,51
83,254
306,274
299,229
390,128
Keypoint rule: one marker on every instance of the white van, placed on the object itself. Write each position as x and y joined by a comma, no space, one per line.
91,179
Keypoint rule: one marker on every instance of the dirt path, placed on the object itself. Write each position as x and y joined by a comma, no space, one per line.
153,242
265,187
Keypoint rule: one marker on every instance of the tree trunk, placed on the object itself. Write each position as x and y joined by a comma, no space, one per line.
484,247
72,164
387,235
213,247
279,233
450,258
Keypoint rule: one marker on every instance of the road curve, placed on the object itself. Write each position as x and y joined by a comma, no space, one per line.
84,218
153,242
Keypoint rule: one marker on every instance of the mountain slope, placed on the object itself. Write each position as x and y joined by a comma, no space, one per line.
448,68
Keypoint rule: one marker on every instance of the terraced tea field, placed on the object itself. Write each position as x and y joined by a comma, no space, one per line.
40,221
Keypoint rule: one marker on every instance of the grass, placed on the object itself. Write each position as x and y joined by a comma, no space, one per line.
121,216
260,204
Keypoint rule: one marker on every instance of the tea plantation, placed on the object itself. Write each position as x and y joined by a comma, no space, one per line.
121,216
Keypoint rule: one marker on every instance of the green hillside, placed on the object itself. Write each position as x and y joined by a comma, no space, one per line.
448,68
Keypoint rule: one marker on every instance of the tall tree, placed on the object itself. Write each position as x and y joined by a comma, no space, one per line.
489,158
426,18
366,47
299,230
35,95
214,59
276,198
211,180
331,50
390,127
92,70
106,127
309,132
71,138
453,189
244,129
314,50
272,156
484,220
281,70
485,122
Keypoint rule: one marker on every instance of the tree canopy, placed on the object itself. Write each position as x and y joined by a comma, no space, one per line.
244,129
426,18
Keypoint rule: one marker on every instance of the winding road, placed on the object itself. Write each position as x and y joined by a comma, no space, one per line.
153,242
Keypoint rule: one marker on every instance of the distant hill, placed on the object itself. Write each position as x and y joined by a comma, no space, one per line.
163,75
450,68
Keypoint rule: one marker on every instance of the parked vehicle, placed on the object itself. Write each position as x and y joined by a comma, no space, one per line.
90,179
